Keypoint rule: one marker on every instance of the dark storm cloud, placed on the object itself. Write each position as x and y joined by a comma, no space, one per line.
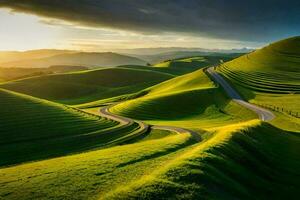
255,20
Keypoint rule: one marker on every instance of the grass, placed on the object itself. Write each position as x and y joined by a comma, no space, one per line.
90,174
185,62
234,162
166,104
239,157
184,65
269,76
33,129
244,161
85,86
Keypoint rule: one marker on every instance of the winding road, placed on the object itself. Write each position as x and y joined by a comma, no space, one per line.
143,127
263,114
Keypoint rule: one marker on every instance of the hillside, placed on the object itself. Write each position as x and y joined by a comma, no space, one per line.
9,74
235,156
270,77
85,86
237,161
173,55
33,129
165,104
188,64
88,59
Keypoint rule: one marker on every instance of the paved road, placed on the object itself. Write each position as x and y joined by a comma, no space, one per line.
143,127
263,114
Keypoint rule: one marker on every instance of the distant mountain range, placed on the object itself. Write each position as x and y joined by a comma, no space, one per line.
157,58
48,57
151,51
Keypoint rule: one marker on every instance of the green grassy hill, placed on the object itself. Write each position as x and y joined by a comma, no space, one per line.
269,77
89,59
236,162
85,86
246,161
238,156
9,74
191,101
33,128
188,64
12,56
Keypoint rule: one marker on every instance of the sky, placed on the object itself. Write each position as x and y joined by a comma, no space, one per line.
105,25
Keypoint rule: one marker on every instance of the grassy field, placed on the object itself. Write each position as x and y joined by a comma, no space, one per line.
188,64
90,174
58,153
269,77
242,161
166,104
90,85
85,86
236,160
33,129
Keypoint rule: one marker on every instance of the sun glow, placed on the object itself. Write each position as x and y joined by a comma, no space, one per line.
22,32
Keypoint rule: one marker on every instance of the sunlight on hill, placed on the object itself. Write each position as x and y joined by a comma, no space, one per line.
269,77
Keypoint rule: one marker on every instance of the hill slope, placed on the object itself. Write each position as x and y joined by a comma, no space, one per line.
269,76
12,56
188,64
78,59
33,129
239,161
190,101
74,88
236,158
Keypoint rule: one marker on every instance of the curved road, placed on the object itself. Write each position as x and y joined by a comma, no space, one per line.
143,127
263,114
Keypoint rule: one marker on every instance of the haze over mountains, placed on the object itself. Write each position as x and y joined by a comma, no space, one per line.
55,57
44,58
159,50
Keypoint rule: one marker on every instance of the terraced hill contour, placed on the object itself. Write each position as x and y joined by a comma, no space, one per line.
270,77
85,86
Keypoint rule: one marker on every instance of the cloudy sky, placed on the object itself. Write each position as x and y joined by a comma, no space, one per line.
100,25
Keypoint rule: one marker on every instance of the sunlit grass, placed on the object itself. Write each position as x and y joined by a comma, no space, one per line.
86,86
269,77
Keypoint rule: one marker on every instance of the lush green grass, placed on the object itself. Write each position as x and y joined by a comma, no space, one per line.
185,62
237,158
190,101
91,174
182,66
156,134
269,76
33,129
246,161
81,87
238,161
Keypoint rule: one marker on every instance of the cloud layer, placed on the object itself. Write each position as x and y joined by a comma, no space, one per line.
255,20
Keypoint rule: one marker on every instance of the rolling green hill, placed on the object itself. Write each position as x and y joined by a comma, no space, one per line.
33,128
166,104
85,86
12,56
238,161
245,161
188,64
236,156
270,77
88,59
9,74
